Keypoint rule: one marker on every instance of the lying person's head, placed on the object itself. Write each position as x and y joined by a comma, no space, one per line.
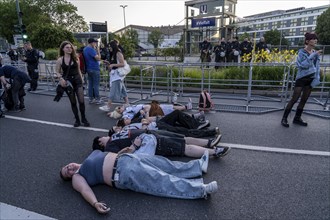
118,112
69,170
123,121
99,143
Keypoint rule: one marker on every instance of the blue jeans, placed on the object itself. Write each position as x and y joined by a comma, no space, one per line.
159,176
93,84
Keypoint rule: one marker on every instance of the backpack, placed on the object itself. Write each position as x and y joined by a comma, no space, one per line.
82,63
205,102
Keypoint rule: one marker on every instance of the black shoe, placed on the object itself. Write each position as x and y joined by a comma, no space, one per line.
85,122
76,124
204,125
16,110
22,107
29,89
284,122
299,121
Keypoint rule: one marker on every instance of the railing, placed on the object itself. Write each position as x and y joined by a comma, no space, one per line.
244,94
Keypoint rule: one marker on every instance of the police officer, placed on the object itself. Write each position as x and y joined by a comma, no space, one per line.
234,50
246,48
31,57
220,52
205,49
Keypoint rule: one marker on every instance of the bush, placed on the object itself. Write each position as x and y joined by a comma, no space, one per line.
51,54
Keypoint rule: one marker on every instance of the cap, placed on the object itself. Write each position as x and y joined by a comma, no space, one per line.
92,40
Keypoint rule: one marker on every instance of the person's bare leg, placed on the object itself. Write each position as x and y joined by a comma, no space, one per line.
179,107
196,141
196,151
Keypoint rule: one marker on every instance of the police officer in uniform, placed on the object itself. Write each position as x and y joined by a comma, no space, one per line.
234,50
31,57
246,47
220,52
205,49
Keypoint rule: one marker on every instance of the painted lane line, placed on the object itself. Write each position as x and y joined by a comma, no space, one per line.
55,124
13,212
238,146
276,150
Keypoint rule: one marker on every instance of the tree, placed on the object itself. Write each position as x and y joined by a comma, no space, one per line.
273,37
130,42
50,36
243,36
56,13
156,38
323,27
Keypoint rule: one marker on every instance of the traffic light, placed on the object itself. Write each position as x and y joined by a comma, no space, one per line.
23,31
17,29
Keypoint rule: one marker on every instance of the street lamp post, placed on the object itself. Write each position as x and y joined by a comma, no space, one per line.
124,6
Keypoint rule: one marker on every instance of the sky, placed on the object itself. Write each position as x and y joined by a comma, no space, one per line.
170,12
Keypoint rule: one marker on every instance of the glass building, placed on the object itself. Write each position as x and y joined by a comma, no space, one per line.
293,23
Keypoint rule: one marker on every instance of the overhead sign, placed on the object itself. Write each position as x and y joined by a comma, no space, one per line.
203,9
203,22
98,27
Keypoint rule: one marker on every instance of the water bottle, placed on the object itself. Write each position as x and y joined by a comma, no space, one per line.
175,98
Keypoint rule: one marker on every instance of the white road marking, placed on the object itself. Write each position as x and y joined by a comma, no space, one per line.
13,212
238,146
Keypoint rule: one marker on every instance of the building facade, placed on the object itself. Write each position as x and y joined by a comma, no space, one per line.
293,23
171,34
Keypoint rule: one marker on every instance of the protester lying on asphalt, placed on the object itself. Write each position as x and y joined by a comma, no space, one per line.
146,110
159,142
154,175
176,121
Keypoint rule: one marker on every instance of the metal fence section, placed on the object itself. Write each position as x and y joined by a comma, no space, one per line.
242,92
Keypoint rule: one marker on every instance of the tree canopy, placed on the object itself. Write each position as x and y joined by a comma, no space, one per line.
58,14
273,37
323,27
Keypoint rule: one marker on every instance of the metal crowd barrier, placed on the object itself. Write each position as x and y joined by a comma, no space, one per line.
232,95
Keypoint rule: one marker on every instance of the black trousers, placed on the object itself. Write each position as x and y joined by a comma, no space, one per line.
182,123
34,75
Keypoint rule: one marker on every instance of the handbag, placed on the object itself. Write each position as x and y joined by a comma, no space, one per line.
123,71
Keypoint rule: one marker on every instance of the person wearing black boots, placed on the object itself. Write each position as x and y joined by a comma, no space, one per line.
308,76
71,80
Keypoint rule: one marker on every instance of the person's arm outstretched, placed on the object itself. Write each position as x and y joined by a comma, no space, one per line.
79,183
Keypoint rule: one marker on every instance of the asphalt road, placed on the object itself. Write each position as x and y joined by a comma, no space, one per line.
252,184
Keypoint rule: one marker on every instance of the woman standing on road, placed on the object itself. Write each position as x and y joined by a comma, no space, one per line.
70,78
308,76
117,86
154,175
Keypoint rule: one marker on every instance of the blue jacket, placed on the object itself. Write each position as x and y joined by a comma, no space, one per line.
308,64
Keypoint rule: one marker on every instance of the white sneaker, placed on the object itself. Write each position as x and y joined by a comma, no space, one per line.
212,187
216,140
189,104
105,108
204,161
99,102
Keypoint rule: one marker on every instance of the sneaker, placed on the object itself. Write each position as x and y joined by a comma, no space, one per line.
189,104
204,125
105,108
99,102
212,187
91,101
200,116
221,151
216,141
204,161
217,130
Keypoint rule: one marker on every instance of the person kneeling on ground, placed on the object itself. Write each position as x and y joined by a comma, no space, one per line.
153,175
18,80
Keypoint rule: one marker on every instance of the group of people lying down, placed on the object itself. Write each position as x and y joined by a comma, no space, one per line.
133,156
